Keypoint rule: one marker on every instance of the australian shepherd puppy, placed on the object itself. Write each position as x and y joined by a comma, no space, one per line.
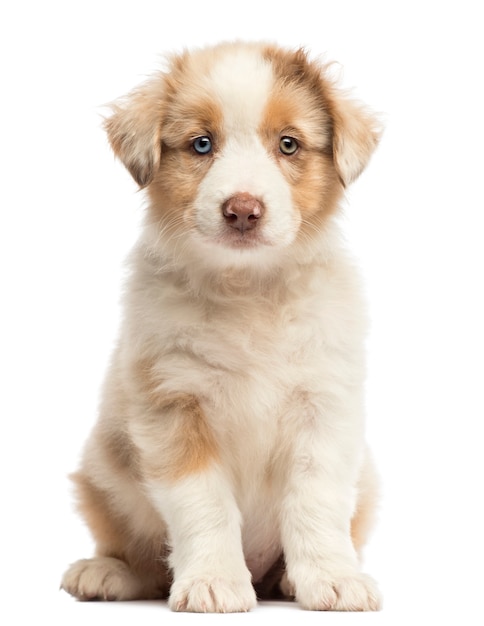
229,458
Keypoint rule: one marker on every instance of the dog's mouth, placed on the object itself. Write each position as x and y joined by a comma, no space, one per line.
242,240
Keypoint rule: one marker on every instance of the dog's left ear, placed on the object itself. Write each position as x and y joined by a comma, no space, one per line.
134,130
356,133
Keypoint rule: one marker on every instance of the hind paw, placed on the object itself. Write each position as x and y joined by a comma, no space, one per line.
101,578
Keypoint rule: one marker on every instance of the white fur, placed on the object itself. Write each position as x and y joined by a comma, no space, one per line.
242,82
269,339
271,378
245,166
204,532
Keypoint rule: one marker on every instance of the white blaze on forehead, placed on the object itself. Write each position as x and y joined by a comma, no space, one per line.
242,81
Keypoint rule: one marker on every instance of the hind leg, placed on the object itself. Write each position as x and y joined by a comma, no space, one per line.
128,565
103,578
367,501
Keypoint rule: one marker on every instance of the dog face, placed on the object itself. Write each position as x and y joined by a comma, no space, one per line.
244,149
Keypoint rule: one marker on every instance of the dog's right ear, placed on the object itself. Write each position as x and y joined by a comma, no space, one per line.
134,130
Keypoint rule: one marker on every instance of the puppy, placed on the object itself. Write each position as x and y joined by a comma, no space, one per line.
229,457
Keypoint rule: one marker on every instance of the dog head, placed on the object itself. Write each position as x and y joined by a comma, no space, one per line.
245,149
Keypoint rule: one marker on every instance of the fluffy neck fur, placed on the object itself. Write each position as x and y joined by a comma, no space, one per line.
267,274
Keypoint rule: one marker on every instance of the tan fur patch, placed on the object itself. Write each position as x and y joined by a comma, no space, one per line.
368,497
134,130
361,524
297,102
298,108
147,382
353,131
176,440
93,504
145,555
356,133
193,444
173,191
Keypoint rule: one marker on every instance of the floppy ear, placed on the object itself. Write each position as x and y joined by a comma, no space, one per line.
356,133
134,130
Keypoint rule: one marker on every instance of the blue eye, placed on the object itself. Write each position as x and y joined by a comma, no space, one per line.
202,145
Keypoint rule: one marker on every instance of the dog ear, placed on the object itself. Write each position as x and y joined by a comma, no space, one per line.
134,130
356,133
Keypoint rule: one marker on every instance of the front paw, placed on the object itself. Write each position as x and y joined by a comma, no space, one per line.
209,594
357,592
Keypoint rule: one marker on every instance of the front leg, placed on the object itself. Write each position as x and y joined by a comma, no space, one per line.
321,563
187,485
210,574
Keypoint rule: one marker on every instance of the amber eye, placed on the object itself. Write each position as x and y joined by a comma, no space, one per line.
288,145
202,145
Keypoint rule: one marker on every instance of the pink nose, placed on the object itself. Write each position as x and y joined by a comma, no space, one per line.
242,211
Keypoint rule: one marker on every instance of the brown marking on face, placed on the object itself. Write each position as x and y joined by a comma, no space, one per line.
354,132
175,184
297,108
297,100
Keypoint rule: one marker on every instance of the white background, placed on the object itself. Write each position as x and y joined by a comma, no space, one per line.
69,213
